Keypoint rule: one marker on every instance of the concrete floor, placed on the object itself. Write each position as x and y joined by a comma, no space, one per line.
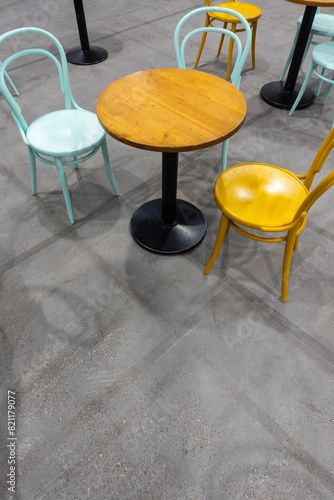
136,376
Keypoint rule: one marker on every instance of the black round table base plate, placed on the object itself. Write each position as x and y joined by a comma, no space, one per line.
93,55
149,231
275,94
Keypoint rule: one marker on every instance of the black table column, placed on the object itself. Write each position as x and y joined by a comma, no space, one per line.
85,54
168,225
283,96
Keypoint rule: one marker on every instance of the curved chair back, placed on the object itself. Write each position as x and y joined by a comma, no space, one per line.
241,53
10,81
61,67
316,166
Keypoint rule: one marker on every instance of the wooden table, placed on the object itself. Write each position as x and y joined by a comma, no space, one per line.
282,95
170,111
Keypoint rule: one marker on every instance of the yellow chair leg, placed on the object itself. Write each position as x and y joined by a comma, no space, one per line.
289,246
221,41
207,21
253,42
296,243
230,52
223,227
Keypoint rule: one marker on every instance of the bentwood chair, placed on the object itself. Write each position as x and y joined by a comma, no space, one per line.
269,199
65,137
323,25
250,12
242,53
322,57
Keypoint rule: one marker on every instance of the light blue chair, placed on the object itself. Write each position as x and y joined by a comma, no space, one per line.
323,57
323,25
65,137
242,54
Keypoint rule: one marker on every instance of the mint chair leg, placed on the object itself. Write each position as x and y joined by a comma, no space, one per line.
63,181
328,91
105,153
289,56
320,82
303,87
76,165
32,159
224,155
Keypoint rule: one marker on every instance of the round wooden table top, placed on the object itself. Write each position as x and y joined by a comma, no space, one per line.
171,110
315,3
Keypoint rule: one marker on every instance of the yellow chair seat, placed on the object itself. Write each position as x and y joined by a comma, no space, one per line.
258,195
250,12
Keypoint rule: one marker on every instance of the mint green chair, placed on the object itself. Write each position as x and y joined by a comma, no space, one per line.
65,137
242,53
323,25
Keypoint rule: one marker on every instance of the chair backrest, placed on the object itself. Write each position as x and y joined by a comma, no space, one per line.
61,67
316,166
241,53
208,2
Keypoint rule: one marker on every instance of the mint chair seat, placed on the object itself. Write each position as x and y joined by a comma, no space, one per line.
69,133
242,52
66,137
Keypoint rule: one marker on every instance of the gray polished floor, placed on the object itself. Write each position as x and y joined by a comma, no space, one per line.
136,376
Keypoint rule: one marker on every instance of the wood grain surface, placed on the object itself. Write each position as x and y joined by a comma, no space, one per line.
171,110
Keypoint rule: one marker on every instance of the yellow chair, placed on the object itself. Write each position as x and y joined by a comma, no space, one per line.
269,199
250,12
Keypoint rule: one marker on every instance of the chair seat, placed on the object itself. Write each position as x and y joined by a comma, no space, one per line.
323,55
63,132
250,12
258,195
323,24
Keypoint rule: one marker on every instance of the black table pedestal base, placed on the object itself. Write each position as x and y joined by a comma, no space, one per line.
151,233
275,94
93,55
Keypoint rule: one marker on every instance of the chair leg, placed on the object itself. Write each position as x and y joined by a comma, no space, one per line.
320,82
253,43
221,40
223,227
207,22
76,165
105,153
63,181
310,39
230,52
290,55
32,159
295,247
224,155
303,87
328,91
291,243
